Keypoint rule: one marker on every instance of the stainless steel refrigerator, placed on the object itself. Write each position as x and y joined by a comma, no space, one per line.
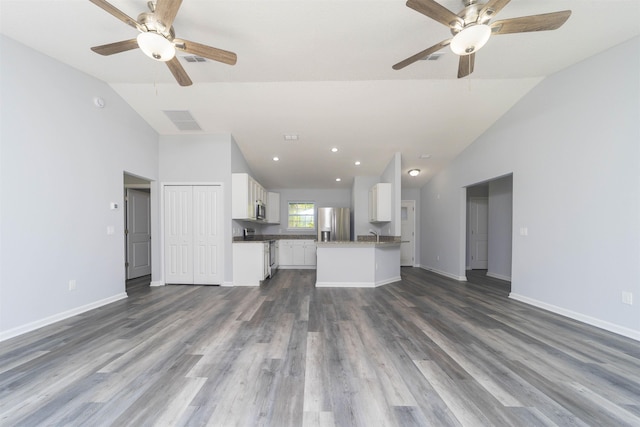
334,224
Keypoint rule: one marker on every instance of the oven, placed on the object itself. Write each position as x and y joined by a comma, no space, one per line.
273,257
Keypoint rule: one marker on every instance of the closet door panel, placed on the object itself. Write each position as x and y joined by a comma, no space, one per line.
178,234
207,220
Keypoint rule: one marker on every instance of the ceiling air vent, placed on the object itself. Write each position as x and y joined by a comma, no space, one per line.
433,57
194,58
182,119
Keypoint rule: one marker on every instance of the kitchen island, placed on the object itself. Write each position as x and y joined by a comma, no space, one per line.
357,264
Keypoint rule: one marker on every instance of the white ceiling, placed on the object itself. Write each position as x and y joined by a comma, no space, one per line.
321,69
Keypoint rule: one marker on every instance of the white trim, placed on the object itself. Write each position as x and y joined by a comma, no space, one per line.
444,273
611,327
357,284
297,267
227,284
498,276
157,283
59,316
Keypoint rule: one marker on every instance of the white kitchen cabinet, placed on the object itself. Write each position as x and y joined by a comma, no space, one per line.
380,202
245,191
285,252
273,208
309,250
250,263
297,254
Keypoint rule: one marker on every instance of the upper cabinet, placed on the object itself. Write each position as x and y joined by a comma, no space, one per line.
246,194
380,202
273,208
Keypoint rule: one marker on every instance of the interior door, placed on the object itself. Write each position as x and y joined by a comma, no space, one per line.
407,231
207,234
478,229
138,233
178,234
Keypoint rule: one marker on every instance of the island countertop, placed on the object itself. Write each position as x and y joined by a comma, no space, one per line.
358,244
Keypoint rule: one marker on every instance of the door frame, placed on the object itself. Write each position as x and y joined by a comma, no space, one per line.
147,185
225,245
413,246
128,226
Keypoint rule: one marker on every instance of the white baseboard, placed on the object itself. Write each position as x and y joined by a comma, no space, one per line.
228,284
357,284
157,283
58,317
611,327
445,274
498,276
345,285
388,281
296,267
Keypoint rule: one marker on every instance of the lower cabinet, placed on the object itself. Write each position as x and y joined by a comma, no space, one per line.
250,263
297,253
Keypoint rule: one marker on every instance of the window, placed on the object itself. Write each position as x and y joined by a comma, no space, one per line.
302,215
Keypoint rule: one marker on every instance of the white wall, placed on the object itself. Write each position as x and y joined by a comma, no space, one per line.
391,174
201,159
62,163
335,198
360,202
572,146
500,227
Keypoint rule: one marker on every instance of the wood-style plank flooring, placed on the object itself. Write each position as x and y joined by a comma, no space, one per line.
426,351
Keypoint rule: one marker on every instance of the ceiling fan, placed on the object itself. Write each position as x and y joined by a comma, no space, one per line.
157,38
472,27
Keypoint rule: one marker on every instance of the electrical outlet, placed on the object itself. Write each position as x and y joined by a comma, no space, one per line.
627,298
72,285
438,258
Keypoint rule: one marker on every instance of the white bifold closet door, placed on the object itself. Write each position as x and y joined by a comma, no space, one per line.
193,234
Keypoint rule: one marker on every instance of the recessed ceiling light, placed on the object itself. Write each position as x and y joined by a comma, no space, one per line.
291,137
276,158
414,172
334,149
424,156
338,179
357,163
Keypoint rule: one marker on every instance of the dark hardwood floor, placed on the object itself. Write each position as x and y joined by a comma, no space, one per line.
137,284
426,351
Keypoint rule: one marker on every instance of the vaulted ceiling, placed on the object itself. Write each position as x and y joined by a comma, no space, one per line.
321,70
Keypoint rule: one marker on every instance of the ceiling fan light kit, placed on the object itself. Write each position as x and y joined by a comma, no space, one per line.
472,28
156,46
470,39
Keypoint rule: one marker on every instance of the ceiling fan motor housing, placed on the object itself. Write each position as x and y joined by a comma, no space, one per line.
150,22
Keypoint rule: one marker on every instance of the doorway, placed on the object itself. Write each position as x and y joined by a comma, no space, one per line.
137,219
478,214
407,232
489,229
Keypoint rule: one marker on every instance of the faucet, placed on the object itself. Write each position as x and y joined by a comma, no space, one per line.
375,234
